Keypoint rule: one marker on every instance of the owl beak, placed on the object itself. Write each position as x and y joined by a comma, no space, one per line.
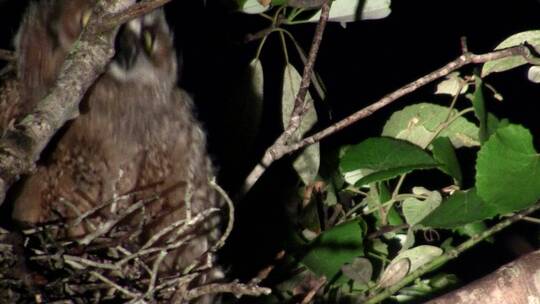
127,48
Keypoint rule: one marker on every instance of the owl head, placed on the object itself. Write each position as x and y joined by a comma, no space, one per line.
145,51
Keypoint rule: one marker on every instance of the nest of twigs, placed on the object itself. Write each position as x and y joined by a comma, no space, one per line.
107,266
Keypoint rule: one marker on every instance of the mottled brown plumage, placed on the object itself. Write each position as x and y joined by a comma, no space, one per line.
136,132
10,99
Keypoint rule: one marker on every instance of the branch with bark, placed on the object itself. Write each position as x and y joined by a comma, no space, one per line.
281,147
498,288
21,145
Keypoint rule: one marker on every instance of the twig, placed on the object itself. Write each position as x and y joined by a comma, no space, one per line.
263,274
456,64
162,232
230,222
311,294
300,107
238,289
93,210
134,11
7,55
154,274
87,262
107,226
199,218
114,285
278,149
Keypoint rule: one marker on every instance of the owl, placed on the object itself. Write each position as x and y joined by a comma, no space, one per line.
136,136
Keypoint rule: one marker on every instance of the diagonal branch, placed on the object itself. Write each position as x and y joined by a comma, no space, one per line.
134,11
280,149
21,145
7,55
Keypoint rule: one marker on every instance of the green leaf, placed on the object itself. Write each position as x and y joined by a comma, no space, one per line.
396,271
359,270
508,170
414,210
347,10
244,112
478,102
308,162
407,262
444,153
461,208
419,256
472,229
493,123
387,157
419,122
334,248
394,217
252,6
246,106
504,64
452,84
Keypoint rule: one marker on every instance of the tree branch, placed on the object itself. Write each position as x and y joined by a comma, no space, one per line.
280,149
7,55
21,145
134,11
300,107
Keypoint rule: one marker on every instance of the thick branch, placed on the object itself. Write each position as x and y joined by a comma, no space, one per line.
278,149
132,12
21,146
511,283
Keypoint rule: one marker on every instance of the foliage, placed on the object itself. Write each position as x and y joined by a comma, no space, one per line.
363,208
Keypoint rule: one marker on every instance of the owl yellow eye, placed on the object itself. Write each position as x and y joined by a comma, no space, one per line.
148,40
85,17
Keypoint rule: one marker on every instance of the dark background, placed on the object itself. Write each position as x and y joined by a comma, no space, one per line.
358,64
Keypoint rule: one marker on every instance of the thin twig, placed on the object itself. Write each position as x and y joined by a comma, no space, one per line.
7,55
87,262
199,218
163,232
134,11
230,222
311,294
114,285
107,226
456,64
237,289
155,270
263,274
300,107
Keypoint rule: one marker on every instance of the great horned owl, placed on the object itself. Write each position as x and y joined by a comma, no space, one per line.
136,132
